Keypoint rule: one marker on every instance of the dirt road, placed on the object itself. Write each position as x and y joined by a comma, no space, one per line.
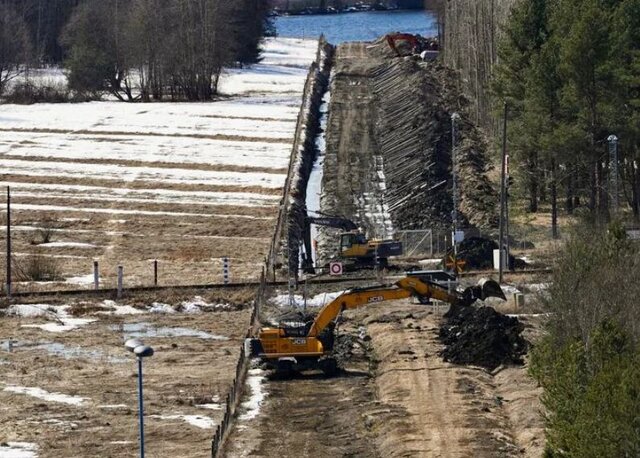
410,403
437,408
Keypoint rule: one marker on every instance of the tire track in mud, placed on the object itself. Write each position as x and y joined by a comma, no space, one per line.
310,416
437,409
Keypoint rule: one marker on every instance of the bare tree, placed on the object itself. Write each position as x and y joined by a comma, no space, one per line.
15,45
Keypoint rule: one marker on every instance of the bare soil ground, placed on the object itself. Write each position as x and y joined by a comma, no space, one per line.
312,415
186,371
399,399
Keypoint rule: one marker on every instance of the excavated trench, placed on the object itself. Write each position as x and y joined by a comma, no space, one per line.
388,158
306,155
387,167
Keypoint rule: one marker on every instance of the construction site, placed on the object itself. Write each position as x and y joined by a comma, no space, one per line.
343,331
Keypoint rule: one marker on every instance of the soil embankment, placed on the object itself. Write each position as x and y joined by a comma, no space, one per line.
433,408
388,160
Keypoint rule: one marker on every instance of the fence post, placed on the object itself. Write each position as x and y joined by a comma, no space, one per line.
96,275
225,270
120,271
155,272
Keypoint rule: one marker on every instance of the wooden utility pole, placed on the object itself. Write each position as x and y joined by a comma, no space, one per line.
502,194
8,242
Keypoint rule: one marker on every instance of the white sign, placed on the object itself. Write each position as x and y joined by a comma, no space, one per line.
458,236
335,268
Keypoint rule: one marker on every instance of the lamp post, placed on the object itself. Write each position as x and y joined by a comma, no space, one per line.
454,169
613,173
141,351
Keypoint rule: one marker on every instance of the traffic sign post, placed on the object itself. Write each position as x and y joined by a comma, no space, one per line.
335,268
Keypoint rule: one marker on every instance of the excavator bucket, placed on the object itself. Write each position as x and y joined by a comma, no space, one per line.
489,288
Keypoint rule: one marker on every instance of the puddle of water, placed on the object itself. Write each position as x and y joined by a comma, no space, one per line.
64,351
144,329
59,349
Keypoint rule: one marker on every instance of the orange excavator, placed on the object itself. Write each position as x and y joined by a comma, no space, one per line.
417,43
292,347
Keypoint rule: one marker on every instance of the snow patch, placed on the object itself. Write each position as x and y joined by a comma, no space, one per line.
116,309
18,450
64,321
82,280
255,382
198,421
68,245
158,307
319,300
211,406
46,395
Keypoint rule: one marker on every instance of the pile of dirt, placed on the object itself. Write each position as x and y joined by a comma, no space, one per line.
477,252
416,102
482,337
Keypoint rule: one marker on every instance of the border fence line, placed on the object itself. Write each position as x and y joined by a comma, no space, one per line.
242,367
237,386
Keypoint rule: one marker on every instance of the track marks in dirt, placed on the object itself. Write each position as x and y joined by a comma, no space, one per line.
434,408
310,416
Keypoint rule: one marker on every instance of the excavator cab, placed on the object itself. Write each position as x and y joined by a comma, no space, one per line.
350,239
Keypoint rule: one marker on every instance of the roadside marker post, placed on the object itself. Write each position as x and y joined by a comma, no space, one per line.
120,272
225,270
155,272
96,276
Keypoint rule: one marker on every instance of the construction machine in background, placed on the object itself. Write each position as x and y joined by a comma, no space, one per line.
308,346
354,245
406,44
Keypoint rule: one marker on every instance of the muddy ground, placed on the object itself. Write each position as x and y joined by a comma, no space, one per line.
401,400
189,375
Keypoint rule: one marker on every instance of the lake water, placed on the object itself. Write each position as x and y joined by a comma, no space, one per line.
363,26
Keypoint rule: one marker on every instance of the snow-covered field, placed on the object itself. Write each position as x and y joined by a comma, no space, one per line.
179,177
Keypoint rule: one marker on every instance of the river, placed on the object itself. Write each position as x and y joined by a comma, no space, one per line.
363,26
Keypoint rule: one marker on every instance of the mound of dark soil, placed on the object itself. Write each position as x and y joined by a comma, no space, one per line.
482,337
478,254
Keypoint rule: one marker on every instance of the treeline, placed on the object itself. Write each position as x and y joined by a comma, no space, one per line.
589,359
569,71
135,49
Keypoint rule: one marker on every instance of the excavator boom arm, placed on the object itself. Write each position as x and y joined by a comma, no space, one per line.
403,288
354,299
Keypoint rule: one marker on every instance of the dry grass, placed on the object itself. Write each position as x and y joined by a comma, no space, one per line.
185,371
138,184
164,165
238,138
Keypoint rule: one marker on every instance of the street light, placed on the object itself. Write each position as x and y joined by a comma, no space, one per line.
138,348
454,168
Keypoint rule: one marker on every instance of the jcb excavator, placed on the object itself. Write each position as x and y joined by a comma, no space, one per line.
354,245
310,346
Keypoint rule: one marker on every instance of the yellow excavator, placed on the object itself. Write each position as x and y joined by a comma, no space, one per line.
354,245
308,346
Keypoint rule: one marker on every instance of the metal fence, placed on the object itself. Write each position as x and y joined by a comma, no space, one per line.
237,386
